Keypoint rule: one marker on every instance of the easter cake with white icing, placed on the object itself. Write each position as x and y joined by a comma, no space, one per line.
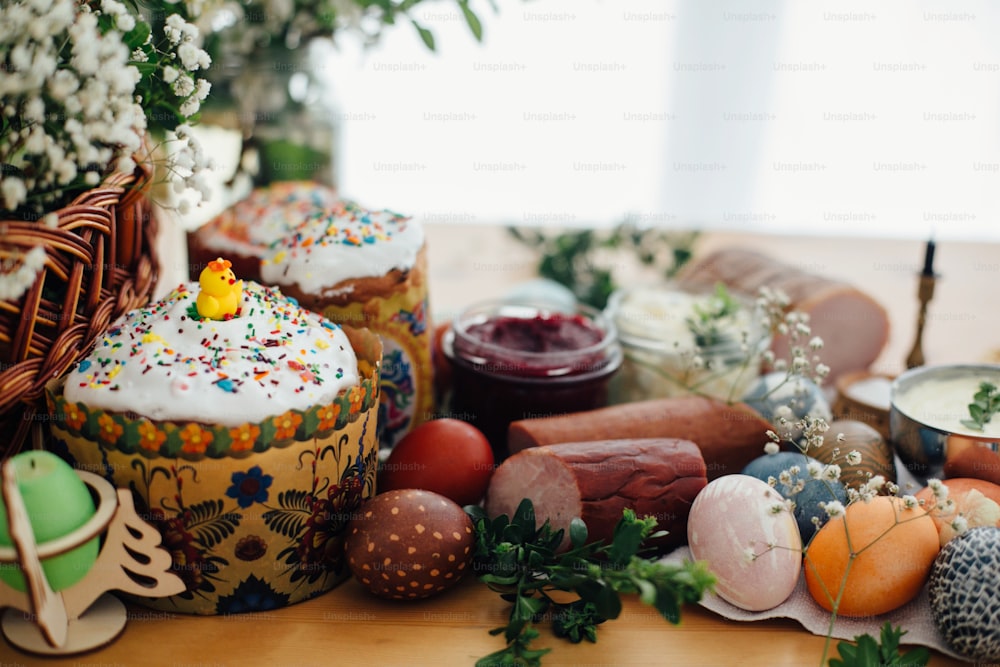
246,428
359,266
243,231
344,254
222,352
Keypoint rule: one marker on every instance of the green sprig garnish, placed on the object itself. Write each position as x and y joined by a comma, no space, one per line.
869,653
708,322
586,260
985,404
521,561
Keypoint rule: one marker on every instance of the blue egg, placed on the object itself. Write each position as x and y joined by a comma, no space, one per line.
797,398
807,500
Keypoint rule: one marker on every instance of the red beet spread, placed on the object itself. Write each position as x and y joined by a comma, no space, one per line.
543,333
507,368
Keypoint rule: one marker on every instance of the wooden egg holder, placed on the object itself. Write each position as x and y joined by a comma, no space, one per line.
83,616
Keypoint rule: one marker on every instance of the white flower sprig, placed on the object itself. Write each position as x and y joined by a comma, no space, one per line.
83,85
804,360
703,368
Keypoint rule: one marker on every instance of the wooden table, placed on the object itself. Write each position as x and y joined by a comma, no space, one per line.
349,626
469,263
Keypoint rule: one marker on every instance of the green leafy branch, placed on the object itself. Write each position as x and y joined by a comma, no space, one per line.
523,563
578,258
867,652
390,10
709,317
985,404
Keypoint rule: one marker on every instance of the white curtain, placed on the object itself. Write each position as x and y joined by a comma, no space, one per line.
871,118
849,117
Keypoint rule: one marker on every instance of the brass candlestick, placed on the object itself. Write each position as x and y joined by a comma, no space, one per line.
925,292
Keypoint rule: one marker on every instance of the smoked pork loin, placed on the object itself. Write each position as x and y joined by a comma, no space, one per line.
853,326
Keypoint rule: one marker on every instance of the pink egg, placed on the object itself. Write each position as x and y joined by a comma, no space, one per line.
754,551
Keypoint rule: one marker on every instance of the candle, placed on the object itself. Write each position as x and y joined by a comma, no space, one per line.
929,259
57,502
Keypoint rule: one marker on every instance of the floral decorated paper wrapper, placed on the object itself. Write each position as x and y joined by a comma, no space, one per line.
254,516
402,319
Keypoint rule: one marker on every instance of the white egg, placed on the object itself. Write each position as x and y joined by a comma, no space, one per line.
745,532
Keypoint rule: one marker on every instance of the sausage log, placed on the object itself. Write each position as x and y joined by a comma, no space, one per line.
728,435
596,481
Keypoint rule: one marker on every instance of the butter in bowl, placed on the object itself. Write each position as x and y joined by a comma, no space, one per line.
865,397
940,421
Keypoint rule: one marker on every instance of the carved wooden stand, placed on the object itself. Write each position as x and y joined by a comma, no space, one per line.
84,616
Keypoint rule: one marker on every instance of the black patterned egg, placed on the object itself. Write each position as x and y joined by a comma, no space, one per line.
964,593
784,400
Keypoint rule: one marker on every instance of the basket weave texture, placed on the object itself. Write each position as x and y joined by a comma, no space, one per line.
100,263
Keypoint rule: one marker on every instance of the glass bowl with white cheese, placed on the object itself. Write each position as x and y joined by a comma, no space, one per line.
679,343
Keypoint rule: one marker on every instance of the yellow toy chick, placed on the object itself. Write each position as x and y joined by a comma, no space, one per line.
220,295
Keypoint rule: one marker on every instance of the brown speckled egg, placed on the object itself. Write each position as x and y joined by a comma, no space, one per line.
876,454
409,544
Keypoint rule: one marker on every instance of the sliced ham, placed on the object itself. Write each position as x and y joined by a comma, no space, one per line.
728,435
853,326
596,481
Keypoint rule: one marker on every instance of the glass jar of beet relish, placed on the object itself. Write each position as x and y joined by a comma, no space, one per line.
517,360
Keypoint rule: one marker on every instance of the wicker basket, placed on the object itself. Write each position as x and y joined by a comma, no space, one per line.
100,263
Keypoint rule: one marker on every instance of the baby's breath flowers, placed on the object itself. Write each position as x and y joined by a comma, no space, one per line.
804,348
951,519
729,347
82,85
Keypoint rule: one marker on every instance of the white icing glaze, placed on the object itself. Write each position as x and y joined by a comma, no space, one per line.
343,242
160,363
267,215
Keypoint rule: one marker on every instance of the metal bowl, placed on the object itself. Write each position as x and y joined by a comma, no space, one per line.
929,439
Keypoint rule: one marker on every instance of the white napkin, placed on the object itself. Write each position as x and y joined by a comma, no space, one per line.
914,617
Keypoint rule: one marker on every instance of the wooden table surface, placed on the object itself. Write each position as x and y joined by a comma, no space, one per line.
347,625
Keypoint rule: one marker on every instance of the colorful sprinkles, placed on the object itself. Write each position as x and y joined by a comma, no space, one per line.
273,211
273,346
343,224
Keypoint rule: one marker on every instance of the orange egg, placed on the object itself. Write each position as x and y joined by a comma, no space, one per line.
979,509
959,486
890,550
